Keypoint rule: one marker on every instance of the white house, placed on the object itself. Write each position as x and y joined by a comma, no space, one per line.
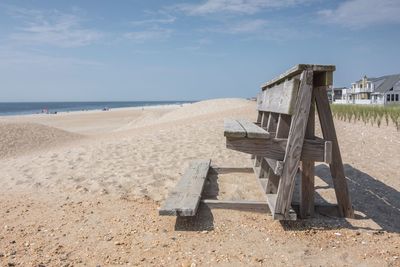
382,90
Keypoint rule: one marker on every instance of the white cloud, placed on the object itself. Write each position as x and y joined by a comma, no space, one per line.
363,13
167,20
152,34
51,27
247,26
235,6
150,29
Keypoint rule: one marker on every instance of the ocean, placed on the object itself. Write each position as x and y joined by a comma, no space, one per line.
15,108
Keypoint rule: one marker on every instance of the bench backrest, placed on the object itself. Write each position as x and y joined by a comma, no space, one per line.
279,95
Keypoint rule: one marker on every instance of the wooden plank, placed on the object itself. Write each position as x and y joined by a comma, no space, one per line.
252,130
243,128
273,183
282,131
290,215
262,206
232,128
272,122
307,171
275,165
297,69
274,148
280,98
223,170
283,126
294,145
263,122
248,205
184,199
328,152
336,165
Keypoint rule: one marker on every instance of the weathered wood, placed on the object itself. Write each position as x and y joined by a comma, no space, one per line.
328,152
252,130
283,126
289,215
272,183
336,166
243,128
248,205
184,199
272,122
263,122
297,70
282,131
294,145
274,148
280,98
307,171
222,170
262,206
275,165
232,128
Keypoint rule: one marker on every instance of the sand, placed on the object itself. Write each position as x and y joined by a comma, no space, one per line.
83,189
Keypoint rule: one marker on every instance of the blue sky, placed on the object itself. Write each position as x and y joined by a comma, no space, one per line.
186,50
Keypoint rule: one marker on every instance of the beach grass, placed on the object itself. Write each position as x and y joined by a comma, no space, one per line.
374,114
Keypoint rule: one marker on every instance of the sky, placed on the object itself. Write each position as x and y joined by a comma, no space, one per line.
131,50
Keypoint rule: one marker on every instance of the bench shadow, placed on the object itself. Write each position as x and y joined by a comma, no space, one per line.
372,200
204,219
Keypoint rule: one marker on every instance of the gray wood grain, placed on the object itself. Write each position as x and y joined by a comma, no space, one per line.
290,215
294,145
336,166
307,171
243,128
280,98
232,128
252,130
297,69
184,199
274,148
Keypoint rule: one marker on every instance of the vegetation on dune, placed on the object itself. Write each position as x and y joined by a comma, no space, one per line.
368,114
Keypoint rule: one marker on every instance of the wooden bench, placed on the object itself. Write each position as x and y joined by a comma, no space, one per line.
282,143
283,139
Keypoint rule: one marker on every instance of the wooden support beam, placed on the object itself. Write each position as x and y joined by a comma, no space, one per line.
275,165
307,171
283,126
336,166
294,145
262,206
274,148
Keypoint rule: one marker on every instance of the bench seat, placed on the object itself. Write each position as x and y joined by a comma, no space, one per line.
241,128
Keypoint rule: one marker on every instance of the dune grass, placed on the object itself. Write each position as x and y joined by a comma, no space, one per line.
368,114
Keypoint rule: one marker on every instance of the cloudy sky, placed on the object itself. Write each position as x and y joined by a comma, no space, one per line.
186,50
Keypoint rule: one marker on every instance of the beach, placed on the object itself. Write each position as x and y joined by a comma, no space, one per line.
84,188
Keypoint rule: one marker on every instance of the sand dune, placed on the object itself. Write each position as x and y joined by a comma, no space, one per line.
23,138
81,180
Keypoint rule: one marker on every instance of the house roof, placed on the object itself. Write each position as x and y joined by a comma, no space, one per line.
385,83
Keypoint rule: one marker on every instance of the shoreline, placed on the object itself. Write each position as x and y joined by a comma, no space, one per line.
93,111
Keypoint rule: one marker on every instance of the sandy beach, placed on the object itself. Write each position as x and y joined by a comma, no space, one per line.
84,188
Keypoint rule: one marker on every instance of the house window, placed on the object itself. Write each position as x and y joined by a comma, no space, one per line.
397,97
388,97
392,97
